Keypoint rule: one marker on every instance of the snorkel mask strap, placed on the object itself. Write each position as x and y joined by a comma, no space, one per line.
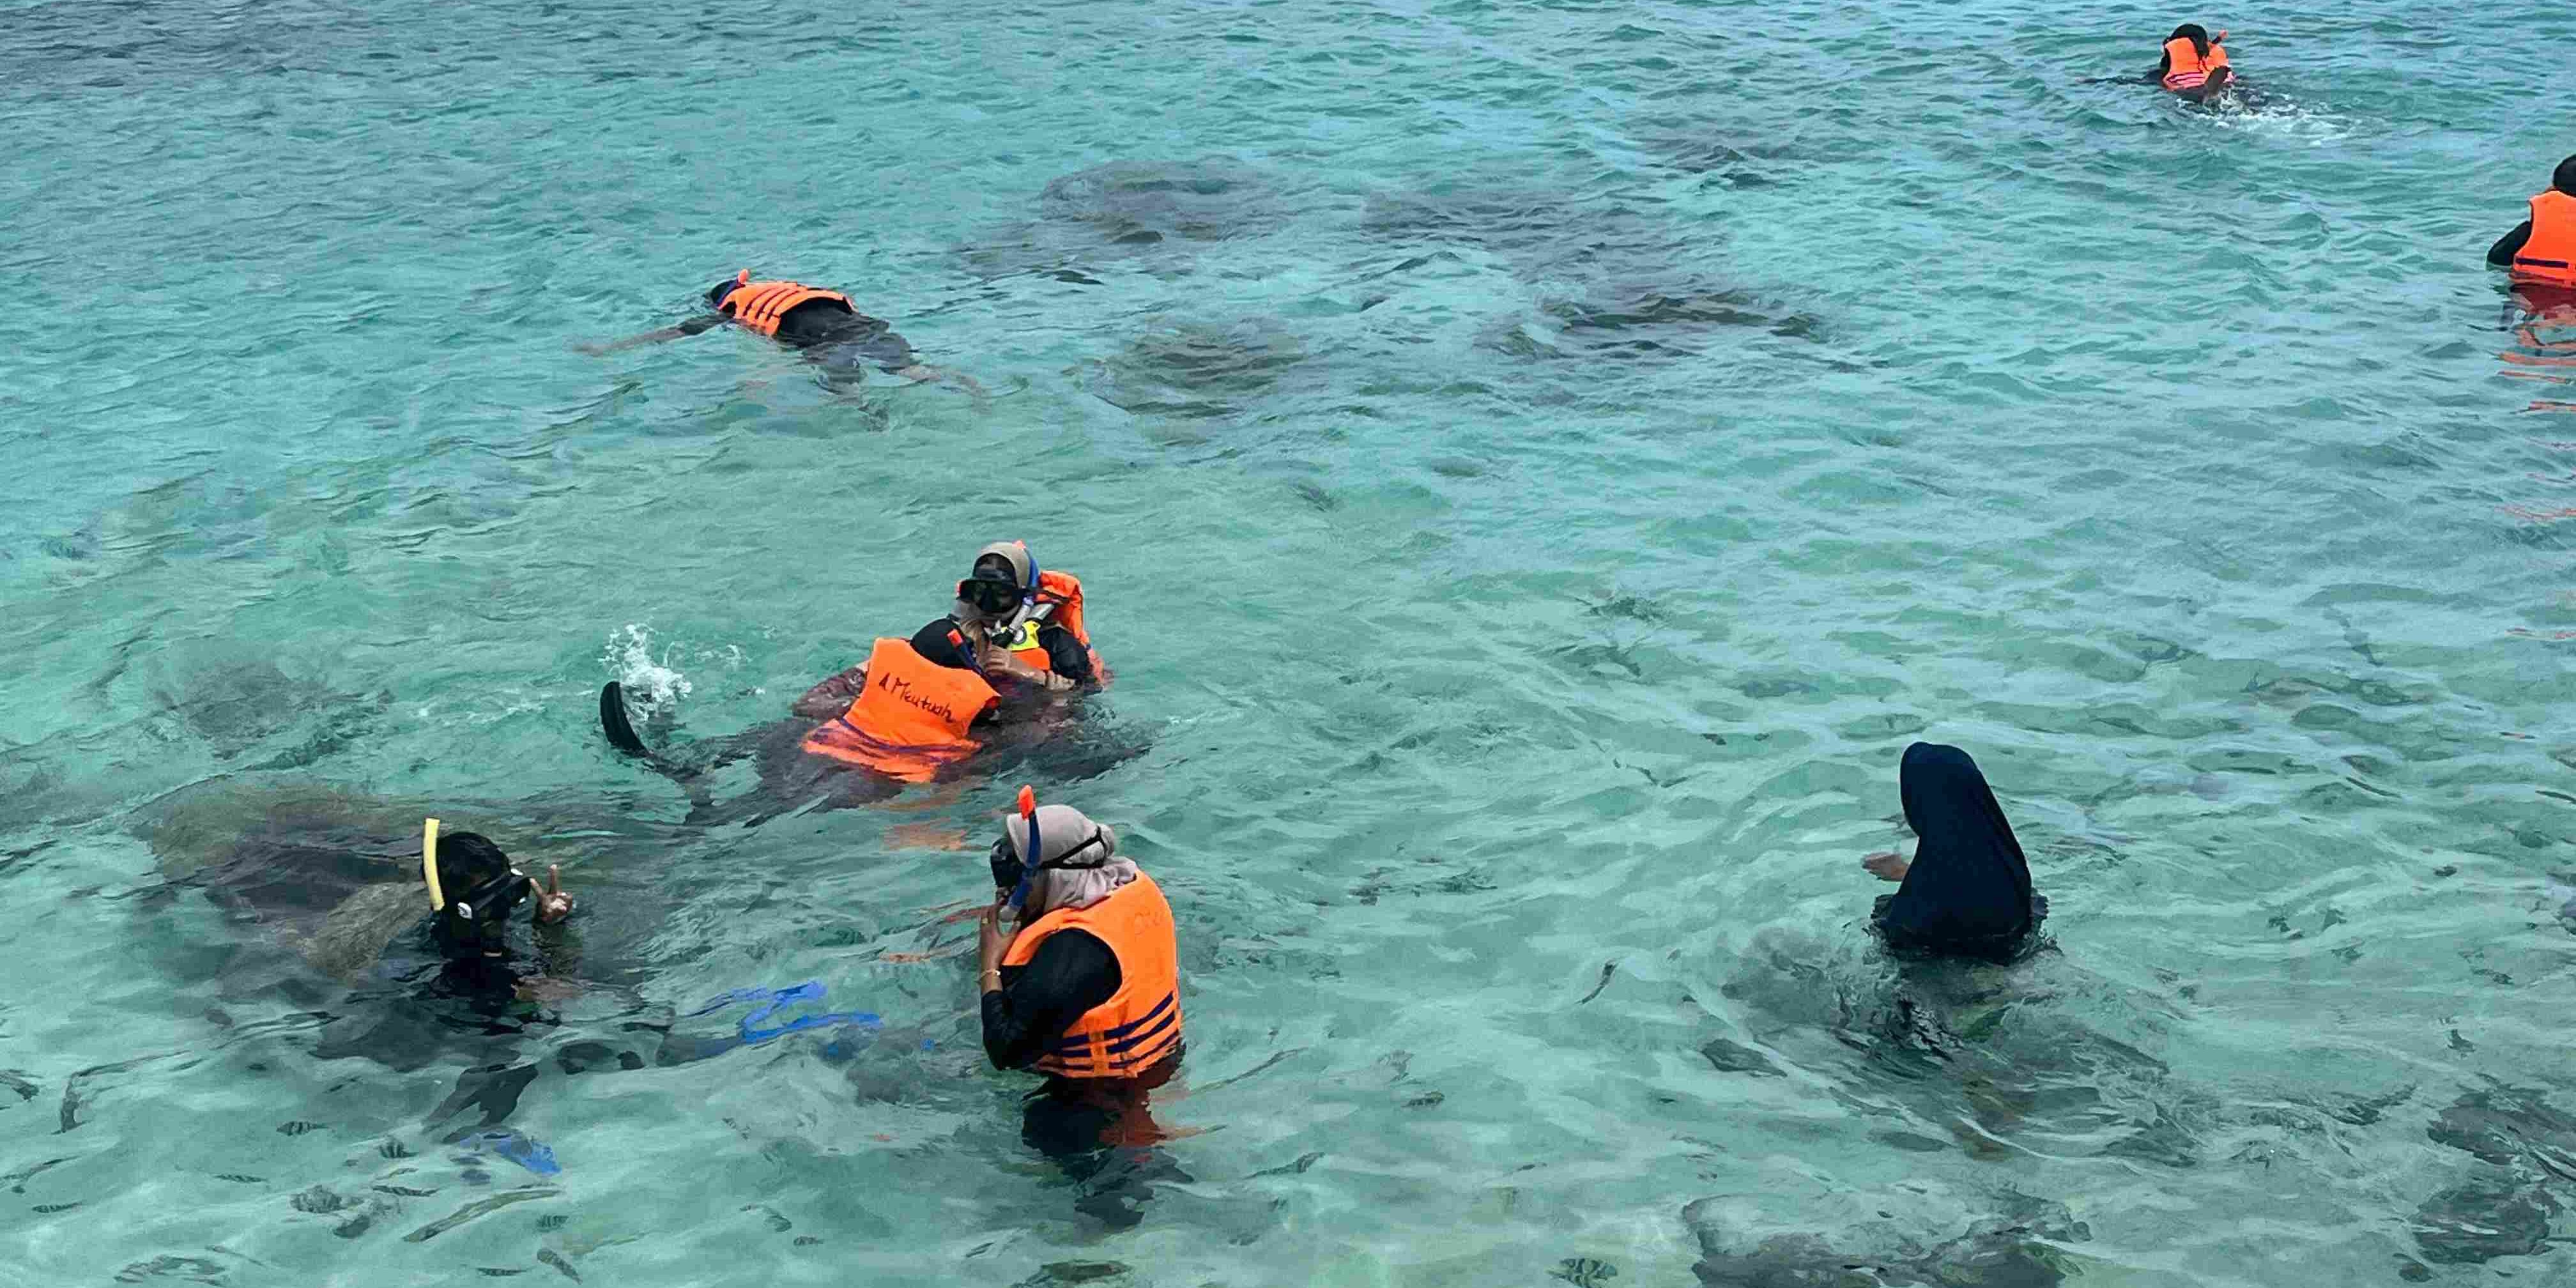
1028,860
429,864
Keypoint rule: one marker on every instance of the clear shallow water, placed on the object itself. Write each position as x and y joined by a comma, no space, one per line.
1532,489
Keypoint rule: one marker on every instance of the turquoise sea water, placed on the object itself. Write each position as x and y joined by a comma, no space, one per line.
1535,467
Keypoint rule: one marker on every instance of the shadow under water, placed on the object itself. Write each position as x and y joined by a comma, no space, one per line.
1123,210
1654,319
1624,279
1196,371
2016,1248
247,714
2526,1156
1994,1057
1140,203
324,913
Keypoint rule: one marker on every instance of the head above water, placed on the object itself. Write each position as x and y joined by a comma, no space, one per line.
2565,179
2195,33
1077,864
475,891
468,859
1003,578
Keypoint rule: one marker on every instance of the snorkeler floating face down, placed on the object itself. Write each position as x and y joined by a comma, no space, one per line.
843,343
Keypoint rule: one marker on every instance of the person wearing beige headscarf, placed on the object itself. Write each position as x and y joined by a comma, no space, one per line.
1085,987
1019,623
1027,621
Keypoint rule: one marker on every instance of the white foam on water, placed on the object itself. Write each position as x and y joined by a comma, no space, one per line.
647,679
2280,119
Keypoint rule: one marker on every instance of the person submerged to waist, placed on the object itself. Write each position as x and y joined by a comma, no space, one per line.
2193,65
1967,891
1085,988
2541,251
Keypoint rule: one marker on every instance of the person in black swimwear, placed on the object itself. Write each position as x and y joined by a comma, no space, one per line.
997,603
993,607
1967,891
833,335
1028,1007
1098,1128
2209,57
2501,254
328,907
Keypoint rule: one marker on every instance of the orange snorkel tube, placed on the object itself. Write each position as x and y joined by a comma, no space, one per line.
1028,861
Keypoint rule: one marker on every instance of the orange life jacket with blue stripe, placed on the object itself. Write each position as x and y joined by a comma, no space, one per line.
2548,257
1140,1025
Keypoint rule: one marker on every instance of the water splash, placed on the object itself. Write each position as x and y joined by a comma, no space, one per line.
2272,117
650,681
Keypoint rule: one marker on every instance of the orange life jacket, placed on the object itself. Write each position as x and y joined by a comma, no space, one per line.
1138,1026
760,305
2549,257
2185,68
911,717
1061,594
1063,591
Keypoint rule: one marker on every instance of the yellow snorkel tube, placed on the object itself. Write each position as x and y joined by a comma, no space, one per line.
429,864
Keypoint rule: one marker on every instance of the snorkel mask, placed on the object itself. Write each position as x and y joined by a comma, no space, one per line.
997,590
992,596
722,291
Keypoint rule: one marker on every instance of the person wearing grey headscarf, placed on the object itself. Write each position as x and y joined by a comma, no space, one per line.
1085,986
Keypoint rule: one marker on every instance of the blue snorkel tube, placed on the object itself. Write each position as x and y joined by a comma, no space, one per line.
1028,860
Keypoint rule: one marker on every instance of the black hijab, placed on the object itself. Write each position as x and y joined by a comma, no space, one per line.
1968,889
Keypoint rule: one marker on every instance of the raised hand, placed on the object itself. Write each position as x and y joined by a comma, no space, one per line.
990,939
553,904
